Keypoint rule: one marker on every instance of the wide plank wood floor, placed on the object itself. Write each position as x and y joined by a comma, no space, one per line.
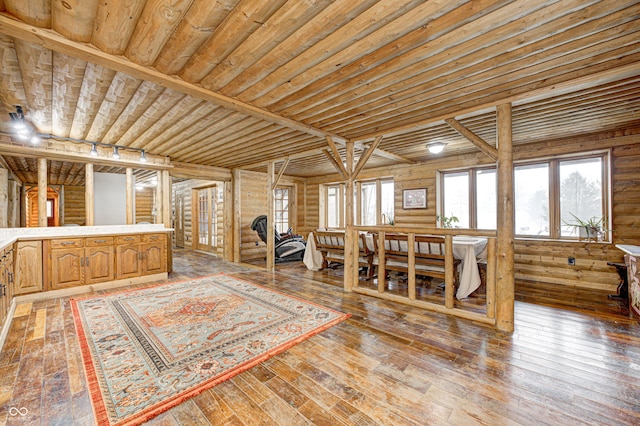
573,359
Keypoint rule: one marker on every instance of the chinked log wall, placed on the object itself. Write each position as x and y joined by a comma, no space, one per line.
541,261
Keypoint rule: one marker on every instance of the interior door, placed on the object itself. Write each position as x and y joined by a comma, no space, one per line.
51,212
206,218
179,223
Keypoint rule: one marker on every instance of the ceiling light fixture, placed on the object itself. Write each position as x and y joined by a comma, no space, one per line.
25,131
436,147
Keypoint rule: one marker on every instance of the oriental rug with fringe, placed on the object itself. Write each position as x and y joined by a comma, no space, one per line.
147,350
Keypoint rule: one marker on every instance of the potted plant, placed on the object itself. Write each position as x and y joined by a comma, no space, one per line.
447,221
589,229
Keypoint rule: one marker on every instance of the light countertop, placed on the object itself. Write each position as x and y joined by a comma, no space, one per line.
10,235
629,249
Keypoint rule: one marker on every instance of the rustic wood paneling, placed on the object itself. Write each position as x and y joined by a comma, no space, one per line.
537,260
74,205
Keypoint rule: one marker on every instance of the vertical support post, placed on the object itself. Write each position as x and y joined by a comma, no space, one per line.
159,198
382,262
449,275
130,191
166,198
4,198
411,265
505,286
491,278
88,195
350,261
228,222
23,206
271,264
237,212
60,206
42,192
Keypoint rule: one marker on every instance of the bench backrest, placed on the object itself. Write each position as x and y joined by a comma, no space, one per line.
333,241
426,246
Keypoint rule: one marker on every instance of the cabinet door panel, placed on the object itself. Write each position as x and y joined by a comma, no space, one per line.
67,268
154,260
99,264
28,264
128,261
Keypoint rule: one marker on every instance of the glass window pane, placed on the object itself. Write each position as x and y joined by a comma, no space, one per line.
282,209
456,198
368,203
387,199
532,199
486,199
580,193
332,207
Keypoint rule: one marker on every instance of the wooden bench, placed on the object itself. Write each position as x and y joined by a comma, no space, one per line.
429,255
331,245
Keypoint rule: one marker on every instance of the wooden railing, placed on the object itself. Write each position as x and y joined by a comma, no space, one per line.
351,265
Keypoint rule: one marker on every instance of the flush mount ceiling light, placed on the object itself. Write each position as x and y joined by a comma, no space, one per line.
436,147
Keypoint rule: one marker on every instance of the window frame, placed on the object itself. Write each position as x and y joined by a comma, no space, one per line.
357,211
555,223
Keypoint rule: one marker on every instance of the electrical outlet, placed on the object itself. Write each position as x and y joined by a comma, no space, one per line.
571,261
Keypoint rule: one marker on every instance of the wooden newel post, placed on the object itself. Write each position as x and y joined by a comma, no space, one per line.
505,287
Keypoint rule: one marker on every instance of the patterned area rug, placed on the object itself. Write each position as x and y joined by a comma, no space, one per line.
148,350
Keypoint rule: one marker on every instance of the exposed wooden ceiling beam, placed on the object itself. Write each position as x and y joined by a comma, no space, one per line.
338,165
58,43
280,173
336,156
596,79
56,151
491,151
365,157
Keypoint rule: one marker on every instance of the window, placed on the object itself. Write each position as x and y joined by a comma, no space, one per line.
531,202
373,203
282,209
547,195
334,206
377,200
474,208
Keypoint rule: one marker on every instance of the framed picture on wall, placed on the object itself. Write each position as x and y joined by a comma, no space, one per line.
414,198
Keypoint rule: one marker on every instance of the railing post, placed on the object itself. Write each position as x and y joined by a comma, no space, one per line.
491,278
382,272
448,272
411,265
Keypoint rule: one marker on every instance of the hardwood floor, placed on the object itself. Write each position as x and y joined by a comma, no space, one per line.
573,359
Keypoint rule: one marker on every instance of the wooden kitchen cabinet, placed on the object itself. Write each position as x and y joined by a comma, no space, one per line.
79,261
6,281
140,255
28,267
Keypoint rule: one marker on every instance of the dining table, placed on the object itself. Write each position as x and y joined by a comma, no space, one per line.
470,250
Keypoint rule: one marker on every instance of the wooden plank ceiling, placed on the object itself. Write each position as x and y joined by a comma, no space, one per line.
238,83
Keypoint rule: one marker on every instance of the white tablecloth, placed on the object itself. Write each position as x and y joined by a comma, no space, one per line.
312,257
469,250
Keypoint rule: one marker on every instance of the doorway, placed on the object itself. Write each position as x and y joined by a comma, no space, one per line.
179,220
206,218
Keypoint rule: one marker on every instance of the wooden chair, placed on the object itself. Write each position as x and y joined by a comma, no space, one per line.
331,245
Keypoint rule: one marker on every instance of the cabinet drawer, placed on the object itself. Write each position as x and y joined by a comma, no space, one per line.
67,243
98,241
127,239
152,238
